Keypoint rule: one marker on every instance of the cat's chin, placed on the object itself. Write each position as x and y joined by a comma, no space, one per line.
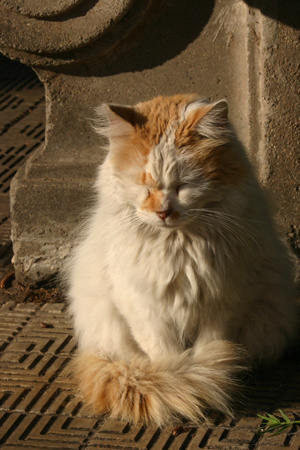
168,224
175,225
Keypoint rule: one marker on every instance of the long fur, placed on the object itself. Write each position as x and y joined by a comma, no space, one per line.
179,267
144,391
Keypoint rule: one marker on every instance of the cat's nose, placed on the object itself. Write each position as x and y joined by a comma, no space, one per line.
164,214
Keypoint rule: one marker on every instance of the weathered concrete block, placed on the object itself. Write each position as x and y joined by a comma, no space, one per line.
129,51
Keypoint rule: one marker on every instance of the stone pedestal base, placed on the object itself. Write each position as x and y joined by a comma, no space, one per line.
245,51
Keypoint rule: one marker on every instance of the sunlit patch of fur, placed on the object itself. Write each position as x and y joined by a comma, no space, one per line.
147,179
153,202
129,151
200,129
161,114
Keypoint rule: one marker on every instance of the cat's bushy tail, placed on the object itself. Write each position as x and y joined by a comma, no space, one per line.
143,390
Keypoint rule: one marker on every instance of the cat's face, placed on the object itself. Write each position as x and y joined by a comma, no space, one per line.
172,157
170,190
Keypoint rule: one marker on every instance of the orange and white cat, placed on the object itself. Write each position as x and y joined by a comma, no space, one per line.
179,272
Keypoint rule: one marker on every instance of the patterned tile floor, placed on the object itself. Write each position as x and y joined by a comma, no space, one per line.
22,130
38,409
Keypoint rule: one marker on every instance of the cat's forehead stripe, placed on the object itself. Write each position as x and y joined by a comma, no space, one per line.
185,133
162,113
171,122
178,116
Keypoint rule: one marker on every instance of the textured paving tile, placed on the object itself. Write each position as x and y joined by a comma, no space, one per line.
22,117
38,409
22,131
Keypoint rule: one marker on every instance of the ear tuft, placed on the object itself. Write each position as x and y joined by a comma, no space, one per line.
214,124
119,112
220,109
116,121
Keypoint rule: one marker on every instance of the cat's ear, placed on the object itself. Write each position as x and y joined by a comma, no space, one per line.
213,120
219,113
117,121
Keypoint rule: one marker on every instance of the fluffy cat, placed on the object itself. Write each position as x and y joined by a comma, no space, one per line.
179,272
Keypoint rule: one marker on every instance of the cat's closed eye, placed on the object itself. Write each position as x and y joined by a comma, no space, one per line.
180,187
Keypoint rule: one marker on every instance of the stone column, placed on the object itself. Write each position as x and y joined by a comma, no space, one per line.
91,51
274,109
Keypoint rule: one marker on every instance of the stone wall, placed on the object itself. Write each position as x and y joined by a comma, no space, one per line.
125,51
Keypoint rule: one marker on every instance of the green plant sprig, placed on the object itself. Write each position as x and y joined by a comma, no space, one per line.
274,425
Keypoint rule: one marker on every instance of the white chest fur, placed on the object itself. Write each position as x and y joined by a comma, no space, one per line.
162,273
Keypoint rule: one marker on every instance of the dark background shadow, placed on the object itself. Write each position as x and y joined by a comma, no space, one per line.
168,30
286,11
274,387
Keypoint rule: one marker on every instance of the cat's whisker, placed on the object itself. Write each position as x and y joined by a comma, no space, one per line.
226,227
204,222
214,211
238,236
233,219
235,224
131,221
229,221
242,232
128,219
